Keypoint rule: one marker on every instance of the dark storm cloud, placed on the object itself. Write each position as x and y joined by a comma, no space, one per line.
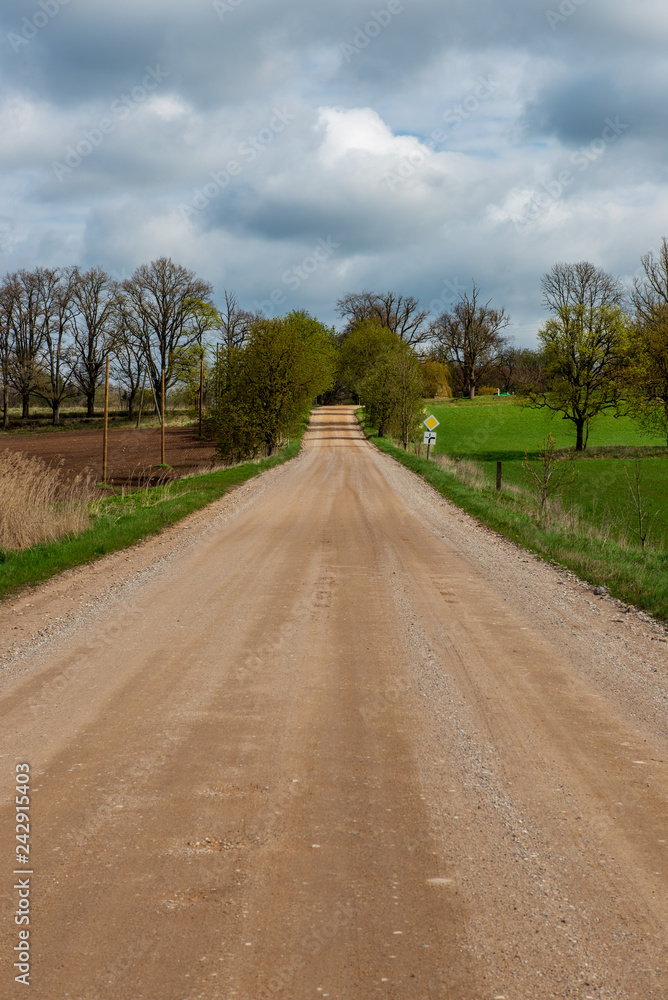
425,138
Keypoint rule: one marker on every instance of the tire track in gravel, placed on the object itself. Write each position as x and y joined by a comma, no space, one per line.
333,738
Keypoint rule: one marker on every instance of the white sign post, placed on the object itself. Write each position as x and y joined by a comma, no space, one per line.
431,423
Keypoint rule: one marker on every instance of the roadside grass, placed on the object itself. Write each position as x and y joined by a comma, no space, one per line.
121,520
599,551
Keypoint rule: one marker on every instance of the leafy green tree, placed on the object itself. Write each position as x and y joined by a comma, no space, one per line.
392,393
360,349
647,374
268,385
435,377
584,345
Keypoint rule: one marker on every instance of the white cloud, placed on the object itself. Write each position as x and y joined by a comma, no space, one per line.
399,154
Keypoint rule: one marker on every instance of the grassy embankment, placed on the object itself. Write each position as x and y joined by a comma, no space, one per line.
119,521
590,528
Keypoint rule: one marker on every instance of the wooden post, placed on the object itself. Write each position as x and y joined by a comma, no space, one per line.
499,466
141,399
201,391
162,425
106,424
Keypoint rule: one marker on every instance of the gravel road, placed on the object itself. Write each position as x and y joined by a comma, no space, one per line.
332,738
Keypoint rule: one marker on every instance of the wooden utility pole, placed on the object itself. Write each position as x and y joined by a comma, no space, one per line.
105,431
162,425
141,398
201,391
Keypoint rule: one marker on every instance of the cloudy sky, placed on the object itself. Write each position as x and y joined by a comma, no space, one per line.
292,151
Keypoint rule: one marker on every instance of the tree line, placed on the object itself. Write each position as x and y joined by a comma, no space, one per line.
601,348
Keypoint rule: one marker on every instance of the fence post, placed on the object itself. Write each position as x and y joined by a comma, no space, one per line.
499,466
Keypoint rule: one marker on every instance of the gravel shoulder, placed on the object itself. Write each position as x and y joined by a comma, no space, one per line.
332,737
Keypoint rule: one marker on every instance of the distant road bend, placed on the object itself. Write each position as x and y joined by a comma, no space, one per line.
331,738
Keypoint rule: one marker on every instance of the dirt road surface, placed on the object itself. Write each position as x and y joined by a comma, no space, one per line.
330,738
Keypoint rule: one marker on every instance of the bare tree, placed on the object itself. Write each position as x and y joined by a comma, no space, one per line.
161,303
651,290
520,367
581,286
234,322
550,476
5,350
94,321
128,364
55,384
400,313
469,338
23,315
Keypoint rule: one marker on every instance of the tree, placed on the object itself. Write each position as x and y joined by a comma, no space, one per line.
549,477
409,389
520,367
162,302
94,321
128,364
399,313
22,307
234,323
56,292
647,373
367,340
5,351
435,378
469,339
392,392
265,387
584,343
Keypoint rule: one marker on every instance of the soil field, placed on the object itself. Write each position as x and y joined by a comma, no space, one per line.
133,456
331,738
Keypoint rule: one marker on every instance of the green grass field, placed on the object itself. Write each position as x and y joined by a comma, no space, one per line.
491,429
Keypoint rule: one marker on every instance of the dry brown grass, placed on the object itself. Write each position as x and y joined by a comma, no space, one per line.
38,503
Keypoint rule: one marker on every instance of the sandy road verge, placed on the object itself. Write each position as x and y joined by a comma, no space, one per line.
332,738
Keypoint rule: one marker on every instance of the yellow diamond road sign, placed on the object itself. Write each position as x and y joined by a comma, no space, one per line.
431,422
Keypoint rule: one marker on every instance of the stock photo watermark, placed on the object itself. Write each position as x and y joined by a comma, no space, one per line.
582,158
451,292
22,872
248,150
31,26
565,9
119,110
223,7
364,35
297,274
